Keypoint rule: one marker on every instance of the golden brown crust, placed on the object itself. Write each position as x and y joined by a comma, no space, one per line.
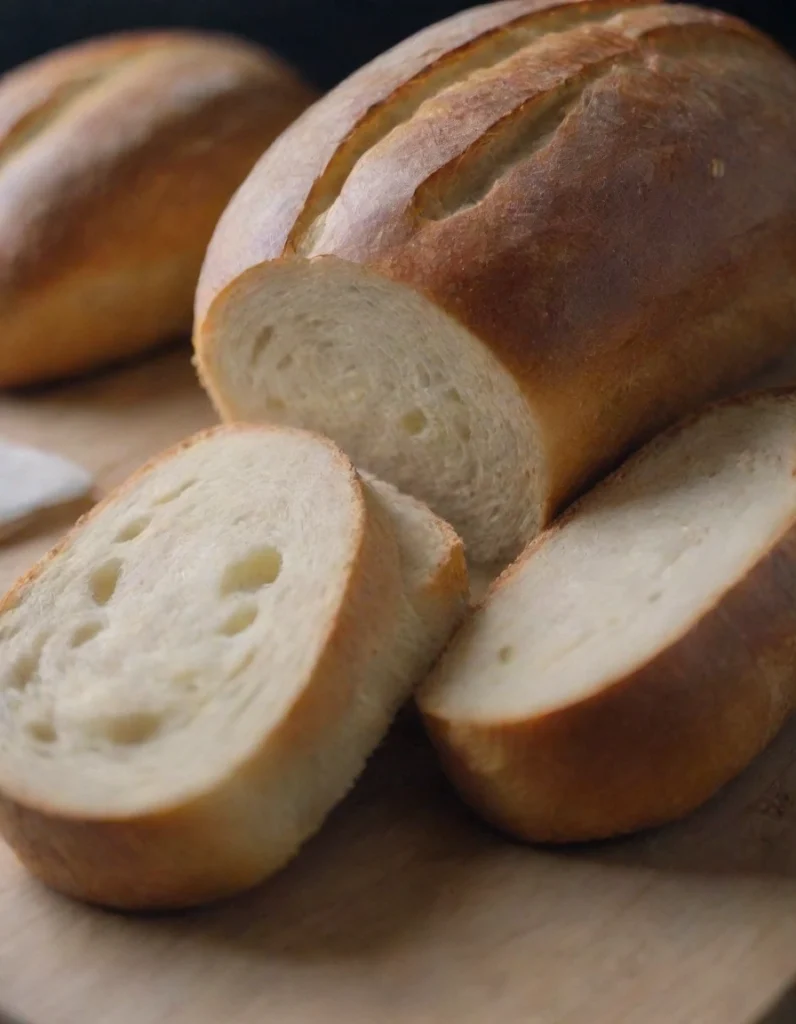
146,863
654,745
116,158
608,206
263,222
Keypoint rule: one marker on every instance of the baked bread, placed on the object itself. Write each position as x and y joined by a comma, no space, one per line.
197,674
642,651
117,157
511,249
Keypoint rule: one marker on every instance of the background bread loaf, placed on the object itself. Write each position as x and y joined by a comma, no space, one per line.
498,257
116,158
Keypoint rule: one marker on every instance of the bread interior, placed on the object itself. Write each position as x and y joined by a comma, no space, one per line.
642,558
408,393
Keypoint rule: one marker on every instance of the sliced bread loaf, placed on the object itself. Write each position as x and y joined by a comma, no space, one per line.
509,251
643,650
197,674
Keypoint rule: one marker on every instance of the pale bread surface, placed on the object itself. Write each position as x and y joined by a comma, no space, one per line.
208,660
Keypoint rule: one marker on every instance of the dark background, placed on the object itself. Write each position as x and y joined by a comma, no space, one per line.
326,39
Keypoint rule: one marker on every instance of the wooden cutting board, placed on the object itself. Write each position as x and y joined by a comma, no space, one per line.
405,910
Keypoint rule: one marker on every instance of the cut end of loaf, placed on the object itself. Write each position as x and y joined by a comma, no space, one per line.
408,394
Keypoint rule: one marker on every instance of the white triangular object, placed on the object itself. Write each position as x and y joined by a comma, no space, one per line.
32,480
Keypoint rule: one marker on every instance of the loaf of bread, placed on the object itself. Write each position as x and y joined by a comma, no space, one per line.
502,255
117,157
197,674
642,651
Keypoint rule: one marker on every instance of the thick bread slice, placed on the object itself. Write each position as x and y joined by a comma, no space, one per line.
197,674
510,250
642,651
433,566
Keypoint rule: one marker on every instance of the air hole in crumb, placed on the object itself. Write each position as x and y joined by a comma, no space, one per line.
655,596
453,396
261,341
423,377
464,432
26,667
315,324
137,727
174,493
239,620
506,654
186,680
285,362
133,529
259,568
274,405
104,580
42,731
242,665
414,422
84,633
8,632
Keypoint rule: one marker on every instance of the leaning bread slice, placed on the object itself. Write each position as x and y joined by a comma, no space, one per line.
642,651
198,673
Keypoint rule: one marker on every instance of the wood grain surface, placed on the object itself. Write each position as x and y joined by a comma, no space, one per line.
405,910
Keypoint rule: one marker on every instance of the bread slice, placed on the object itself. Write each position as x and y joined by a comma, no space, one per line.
197,674
643,650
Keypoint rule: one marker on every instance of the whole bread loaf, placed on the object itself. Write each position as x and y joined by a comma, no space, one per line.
642,651
509,250
117,157
195,676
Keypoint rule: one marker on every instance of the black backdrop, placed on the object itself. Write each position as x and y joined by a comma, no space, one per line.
325,38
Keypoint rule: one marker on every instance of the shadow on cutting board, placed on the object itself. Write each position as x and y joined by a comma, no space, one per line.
784,1011
399,849
749,828
403,855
